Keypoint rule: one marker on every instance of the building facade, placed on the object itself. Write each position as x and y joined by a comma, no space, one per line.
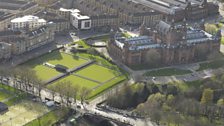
23,41
127,12
5,50
167,44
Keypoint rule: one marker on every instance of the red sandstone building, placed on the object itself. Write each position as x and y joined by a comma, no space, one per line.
167,44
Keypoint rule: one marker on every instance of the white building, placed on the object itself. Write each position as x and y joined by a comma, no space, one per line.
80,22
27,22
76,19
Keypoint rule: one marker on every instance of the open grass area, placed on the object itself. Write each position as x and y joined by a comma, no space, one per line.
76,81
98,73
98,59
22,113
211,65
44,72
167,72
89,76
82,43
48,119
4,95
107,86
54,58
57,57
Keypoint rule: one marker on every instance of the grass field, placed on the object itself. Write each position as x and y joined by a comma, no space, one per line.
106,86
4,95
54,58
22,113
76,81
48,119
167,72
98,73
57,57
91,76
44,72
83,44
211,65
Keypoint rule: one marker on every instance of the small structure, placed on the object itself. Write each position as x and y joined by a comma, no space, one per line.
3,108
61,68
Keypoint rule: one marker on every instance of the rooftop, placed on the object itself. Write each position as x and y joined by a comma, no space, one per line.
28,18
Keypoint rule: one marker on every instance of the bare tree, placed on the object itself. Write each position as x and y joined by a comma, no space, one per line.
84,92
38,84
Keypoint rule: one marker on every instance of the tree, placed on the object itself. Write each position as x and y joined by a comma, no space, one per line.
38,84
84,92
220,102
156,116
211,28
153,57
207,96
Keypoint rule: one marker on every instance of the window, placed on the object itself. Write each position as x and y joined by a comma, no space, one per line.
87,24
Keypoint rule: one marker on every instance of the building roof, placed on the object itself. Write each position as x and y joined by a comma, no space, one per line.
79,16
169,6
37,31
5,15
27,18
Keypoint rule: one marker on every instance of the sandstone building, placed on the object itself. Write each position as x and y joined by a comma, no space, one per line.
167,44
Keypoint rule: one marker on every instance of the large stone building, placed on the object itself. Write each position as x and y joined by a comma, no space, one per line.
10,9
133,12
60,24
5,19
180,9
167,44
23,41
126,11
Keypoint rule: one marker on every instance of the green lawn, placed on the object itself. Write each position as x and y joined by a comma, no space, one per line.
57,57
211,65
48,119
98,59
4,95
107,86
83,44
44,72
54,58
94,72
167,72
76,81
98,73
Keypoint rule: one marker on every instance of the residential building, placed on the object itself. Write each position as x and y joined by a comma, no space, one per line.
23,41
